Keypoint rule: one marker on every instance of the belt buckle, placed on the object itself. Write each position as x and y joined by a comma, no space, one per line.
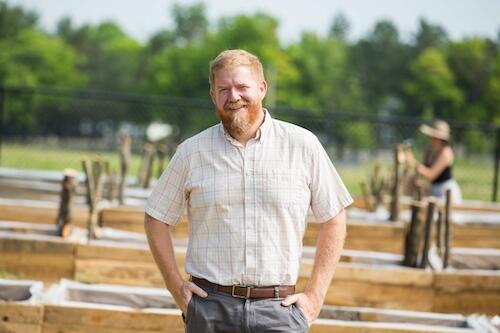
239,296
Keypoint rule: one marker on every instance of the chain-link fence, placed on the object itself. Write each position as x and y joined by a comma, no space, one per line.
91,121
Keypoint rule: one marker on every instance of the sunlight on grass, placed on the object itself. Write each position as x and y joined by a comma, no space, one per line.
29,157
474,175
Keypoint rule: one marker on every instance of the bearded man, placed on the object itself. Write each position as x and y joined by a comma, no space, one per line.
247,185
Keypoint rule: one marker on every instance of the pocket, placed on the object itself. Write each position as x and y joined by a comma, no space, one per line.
301,315
280,187
190,309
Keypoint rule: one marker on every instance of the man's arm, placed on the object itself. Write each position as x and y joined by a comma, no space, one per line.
329,245
160,243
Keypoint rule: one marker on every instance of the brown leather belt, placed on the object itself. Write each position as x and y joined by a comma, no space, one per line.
247,291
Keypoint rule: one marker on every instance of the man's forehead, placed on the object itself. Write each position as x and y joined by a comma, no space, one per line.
235,73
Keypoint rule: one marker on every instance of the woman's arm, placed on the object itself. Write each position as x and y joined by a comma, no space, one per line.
444,159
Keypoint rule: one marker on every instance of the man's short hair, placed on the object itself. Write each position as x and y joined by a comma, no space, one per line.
234,58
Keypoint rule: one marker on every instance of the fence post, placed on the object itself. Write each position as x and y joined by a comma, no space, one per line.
2,119
496,157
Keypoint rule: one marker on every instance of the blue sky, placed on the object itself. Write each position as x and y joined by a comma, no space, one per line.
141,18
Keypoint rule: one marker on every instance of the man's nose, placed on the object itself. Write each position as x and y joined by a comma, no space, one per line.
233,95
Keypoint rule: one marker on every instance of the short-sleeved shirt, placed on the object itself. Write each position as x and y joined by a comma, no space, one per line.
247,206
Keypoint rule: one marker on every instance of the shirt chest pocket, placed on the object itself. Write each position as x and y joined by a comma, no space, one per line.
279,187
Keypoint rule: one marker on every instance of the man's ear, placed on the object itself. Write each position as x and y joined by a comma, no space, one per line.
263,88
212,95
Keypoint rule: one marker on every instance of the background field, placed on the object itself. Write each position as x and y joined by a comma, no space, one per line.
473,174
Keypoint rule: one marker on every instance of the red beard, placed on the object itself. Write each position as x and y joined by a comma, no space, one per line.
237,123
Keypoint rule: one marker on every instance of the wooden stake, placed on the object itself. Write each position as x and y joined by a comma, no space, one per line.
110,175
427,232
398,155
63,219
418,192
447,230
439,233
413,235
377,186
125,143
162,153
369,204
146,165
93,182
97,169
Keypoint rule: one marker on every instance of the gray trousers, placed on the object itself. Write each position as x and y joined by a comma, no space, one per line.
221,312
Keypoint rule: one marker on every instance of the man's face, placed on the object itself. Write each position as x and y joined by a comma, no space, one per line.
237,94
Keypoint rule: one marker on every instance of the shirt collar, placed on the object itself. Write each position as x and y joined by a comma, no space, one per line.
264,128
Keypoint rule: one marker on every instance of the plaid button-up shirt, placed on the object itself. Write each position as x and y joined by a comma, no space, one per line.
247,206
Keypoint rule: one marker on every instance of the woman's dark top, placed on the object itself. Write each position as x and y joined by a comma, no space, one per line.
444,176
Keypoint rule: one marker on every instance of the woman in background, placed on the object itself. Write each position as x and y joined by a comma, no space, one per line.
437,161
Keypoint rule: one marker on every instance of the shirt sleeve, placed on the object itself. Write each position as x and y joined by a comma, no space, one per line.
328,192
167,201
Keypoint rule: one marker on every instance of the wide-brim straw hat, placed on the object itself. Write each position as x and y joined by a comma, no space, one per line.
440,130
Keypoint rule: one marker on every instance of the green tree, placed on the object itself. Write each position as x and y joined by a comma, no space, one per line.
325,83
429,36
14,19
380,60
190,31
471,61
32,58
492,96
190,22
111,57
340,27
432,86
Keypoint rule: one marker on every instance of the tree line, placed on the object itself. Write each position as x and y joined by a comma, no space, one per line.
428,76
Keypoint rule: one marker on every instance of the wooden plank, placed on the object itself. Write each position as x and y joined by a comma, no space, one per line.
67,318
389,287
41,212
467,302
117,272
7,327
339,326
361,293
21,313
33,244
96,251
122,270
44,267
468,280
479,236
20,318
79,329
390,275
387,237
37,258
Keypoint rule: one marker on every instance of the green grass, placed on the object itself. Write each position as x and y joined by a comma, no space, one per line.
34,157
474,175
